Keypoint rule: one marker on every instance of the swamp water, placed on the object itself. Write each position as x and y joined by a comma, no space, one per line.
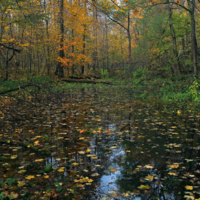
98,143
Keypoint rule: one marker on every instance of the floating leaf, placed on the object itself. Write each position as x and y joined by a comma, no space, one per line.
175,165
39,160
75,164
61,169
114,170
30,177
149,178
13,157
36,143
188,187
21,171
148,166
144,187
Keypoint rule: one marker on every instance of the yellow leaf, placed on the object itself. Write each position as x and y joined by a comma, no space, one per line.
178,112
149,177
172,174
30,177
175,165
75,164
22,171
88,150
39,160
36,143
188,187
144,187
80,185
21,183
148,166
13,157
61,169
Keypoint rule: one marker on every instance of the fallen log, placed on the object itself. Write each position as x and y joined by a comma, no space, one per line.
87,81
18,88
92,77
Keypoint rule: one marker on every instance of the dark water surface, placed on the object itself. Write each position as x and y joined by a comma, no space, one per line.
99,143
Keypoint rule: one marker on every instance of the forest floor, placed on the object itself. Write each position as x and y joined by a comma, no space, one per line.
136,139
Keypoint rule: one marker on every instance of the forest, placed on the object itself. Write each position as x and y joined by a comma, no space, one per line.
100,99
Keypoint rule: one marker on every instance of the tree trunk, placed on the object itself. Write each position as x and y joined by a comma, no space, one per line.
175,51
193,36
73,51
84,45
6,78
107,48
83,61
129,40
59,69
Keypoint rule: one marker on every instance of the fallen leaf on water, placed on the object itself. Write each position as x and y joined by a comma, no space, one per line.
114,170
13,157
81,152
175,165
172,174
148,166
188,187
95,174
144,187
39,160
80,185
36,143
61,169
149,178
88,150
30,177
21,171
75,164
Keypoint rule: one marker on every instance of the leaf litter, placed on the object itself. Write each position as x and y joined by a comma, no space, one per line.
67,148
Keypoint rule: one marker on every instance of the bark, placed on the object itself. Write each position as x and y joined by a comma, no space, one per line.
175,51
88,81
193,36
107,47
73,52
84,44
59,69
129,39
48,49
95,61
83,61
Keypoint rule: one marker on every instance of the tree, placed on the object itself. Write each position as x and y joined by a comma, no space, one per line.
59,69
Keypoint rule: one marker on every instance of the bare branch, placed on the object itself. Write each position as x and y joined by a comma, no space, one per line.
110,17
10,48
119,8
155,4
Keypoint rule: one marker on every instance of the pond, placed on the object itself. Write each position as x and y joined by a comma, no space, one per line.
98,143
